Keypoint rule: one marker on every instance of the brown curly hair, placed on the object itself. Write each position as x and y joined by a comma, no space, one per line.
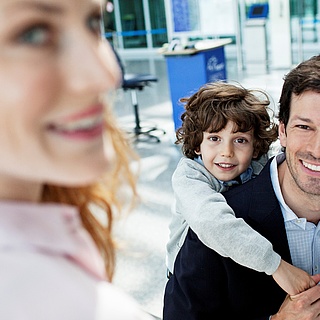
104,194
210,108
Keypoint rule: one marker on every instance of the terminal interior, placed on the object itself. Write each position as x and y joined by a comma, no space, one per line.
142,235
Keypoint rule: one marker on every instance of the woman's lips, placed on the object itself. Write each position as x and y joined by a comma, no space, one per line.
86,124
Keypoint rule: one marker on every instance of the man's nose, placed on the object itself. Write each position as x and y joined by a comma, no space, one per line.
314,145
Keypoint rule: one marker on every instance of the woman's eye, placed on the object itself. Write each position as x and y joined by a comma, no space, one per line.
94,24
37,35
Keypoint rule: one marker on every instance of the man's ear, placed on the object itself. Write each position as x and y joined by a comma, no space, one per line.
282,134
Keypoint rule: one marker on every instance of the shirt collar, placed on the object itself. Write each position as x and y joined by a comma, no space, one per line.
244,177
287,213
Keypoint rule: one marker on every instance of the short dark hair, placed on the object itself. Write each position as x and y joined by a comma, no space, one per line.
210,109
304,77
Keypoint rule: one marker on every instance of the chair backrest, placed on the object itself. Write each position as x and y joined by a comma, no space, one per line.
133,80
119,63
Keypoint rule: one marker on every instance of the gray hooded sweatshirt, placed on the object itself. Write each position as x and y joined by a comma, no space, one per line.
200,205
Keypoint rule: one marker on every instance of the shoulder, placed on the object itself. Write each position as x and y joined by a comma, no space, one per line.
258,164
252,193
186,164
27,275
190,170
39,286
261,180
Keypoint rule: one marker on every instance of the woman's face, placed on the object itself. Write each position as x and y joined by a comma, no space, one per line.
54,72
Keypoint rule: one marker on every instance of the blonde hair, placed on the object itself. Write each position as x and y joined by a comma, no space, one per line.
102,194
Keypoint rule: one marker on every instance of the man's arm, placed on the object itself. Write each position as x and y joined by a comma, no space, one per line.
305,305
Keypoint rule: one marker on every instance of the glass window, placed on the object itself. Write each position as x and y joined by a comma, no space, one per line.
133,24
158,22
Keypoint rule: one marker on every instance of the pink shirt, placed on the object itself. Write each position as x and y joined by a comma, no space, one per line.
50,268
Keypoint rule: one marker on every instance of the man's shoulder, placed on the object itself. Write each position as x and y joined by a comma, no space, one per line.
260,186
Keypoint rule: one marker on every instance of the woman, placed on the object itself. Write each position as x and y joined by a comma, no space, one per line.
62,160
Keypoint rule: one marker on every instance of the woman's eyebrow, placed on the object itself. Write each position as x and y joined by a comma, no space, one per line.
40,6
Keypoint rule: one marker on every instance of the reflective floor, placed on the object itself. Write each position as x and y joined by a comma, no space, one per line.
141,269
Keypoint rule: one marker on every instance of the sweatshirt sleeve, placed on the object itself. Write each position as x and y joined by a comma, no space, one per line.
199,201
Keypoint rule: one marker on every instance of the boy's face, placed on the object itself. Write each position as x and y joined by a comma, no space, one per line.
226,154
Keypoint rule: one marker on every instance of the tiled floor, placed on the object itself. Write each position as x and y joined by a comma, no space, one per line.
143,234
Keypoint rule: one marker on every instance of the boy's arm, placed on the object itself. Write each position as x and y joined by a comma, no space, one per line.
212,219
292,279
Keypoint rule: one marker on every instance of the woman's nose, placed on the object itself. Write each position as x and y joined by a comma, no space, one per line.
91,67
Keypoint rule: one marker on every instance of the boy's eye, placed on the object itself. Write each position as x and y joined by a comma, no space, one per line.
36,35
94,23
241,140
213,138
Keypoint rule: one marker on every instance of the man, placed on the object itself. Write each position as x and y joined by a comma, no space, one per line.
283,204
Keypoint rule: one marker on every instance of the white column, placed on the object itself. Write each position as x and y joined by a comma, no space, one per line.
280,34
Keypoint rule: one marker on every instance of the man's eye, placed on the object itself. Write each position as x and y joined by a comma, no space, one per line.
37,35
94,23
304,127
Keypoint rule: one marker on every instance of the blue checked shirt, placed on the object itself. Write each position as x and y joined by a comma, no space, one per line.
303,236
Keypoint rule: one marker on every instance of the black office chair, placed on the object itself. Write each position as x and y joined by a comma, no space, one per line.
134,82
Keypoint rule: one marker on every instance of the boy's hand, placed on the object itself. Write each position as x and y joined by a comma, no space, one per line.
292,279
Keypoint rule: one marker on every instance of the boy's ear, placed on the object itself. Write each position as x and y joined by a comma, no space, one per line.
197,152
255,154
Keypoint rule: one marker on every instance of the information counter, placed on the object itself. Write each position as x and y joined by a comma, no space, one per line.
191,68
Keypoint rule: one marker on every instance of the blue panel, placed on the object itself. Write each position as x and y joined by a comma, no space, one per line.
259,10
187,73
215,65
181,15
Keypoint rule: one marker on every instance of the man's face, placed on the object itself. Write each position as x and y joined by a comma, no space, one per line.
301,138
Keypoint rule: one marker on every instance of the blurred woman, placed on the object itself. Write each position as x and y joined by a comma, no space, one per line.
63,161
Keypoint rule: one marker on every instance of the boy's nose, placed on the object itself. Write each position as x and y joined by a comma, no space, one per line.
226,150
